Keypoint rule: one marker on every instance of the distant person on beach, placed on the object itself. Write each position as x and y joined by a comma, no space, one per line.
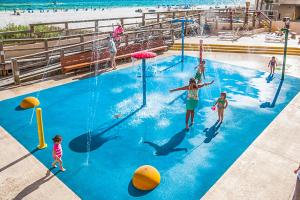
297,187
119,30
200,72
272,64
192,99
222,104
57,152
113,52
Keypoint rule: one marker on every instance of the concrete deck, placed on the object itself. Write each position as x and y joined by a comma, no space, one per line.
22,176
255,40
264,171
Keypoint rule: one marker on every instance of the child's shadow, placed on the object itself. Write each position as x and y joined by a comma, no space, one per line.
270,78
170,146
211,132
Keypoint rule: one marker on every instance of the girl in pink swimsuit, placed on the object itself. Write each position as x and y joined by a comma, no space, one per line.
57,152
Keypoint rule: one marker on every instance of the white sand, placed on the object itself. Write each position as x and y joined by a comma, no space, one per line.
37,17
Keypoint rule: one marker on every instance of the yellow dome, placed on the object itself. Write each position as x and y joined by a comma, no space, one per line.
146,177
29,102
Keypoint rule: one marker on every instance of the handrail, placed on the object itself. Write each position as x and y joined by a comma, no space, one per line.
81,44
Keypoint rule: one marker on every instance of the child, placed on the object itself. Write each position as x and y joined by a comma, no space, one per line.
192,99
272,64
57,152
200,72
117,34
222,104
112,51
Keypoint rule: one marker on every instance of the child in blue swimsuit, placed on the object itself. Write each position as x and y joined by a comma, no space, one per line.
222,104
192,99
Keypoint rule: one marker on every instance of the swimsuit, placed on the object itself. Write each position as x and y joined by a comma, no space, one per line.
272,63
198,76
192,99
221,103
112,47
58,150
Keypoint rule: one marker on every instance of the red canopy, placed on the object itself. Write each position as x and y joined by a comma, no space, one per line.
143,55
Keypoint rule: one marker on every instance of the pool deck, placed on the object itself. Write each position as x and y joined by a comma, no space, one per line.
255,40
263,171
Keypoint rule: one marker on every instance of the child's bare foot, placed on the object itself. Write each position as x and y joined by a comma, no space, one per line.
62,169
53,165
187,127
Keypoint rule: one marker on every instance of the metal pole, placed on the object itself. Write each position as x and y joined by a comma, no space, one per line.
286,31
182,41
144,81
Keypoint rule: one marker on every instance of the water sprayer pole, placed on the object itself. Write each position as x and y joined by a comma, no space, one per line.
286,31
144,81
40,127
182,40
201,50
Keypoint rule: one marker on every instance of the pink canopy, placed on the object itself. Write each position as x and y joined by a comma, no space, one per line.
143,55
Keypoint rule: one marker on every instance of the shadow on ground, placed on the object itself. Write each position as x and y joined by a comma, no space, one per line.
96,138
35,185
171,145
136,192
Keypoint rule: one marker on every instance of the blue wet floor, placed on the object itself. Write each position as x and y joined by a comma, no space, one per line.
102,152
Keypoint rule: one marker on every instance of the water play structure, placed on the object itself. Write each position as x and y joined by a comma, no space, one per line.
144,55
146,177
29,102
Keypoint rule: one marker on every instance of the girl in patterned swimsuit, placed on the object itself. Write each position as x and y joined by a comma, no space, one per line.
192,99
222,104
57,152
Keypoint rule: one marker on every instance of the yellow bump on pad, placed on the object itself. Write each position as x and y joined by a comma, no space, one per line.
29,102
146,177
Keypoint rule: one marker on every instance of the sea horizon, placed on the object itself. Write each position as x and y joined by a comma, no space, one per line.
7,5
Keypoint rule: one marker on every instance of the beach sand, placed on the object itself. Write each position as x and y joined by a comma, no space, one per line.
70,15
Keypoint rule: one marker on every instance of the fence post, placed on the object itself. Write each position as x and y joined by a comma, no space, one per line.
46,48
126,39
16,71
143,19
81,41
199,18
67,28
2,58
172,36
174,15
157,17
231,19
254,20
96,26
122,22
31,26
62,54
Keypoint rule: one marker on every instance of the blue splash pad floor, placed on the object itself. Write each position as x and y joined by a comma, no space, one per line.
189,162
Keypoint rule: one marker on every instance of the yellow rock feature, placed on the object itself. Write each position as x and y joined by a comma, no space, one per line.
146,177
29,102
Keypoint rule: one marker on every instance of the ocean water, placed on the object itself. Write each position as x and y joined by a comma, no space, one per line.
54,4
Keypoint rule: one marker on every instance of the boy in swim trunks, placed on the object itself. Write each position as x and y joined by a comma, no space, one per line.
200,72
222,104
272,64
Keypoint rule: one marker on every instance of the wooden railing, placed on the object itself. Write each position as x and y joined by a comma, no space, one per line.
30,63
